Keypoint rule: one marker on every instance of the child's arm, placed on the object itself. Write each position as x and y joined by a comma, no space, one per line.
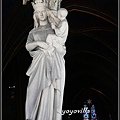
56,20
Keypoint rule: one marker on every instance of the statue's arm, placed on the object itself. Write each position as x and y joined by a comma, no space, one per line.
31,44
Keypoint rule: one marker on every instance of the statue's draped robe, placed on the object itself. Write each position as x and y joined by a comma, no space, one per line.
46,79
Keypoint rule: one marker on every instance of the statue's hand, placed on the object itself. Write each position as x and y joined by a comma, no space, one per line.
42,45
53,26
55,43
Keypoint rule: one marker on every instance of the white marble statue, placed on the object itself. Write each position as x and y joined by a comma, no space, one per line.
46,73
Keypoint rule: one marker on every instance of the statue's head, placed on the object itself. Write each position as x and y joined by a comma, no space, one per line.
62,13
40,12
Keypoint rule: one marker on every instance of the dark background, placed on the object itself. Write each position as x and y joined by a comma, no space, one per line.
91,58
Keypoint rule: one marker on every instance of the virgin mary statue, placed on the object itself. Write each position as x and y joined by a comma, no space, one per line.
47,71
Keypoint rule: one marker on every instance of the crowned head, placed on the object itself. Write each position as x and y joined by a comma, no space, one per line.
50,4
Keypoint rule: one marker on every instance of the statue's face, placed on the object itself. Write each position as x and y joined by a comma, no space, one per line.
42,14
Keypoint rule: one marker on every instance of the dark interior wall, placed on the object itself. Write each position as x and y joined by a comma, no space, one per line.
91,58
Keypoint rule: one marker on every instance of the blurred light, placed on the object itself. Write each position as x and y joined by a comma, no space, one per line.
11,87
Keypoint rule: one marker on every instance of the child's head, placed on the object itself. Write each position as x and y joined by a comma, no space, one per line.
62,13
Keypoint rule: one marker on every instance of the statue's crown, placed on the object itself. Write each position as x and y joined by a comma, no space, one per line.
51,4
38,4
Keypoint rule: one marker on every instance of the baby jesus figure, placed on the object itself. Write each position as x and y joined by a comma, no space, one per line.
58,39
